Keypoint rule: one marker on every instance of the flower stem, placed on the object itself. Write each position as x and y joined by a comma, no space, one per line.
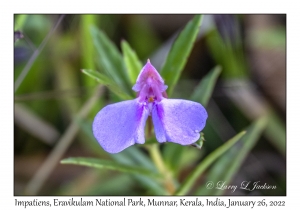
155,155
160,165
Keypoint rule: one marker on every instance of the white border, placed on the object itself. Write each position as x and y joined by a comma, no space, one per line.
7,10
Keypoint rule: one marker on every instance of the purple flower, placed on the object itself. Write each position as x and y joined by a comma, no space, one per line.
120,125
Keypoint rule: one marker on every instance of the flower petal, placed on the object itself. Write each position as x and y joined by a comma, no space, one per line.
149,74
178,121
120,125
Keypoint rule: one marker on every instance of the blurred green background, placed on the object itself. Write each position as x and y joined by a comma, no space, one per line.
55,102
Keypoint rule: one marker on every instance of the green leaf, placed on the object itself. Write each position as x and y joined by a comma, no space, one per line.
112,187
110,60
230,57
140,158
276,133
172,154
87,45
202,93
134,157
98,183
229,163
132,62
108,82
142,36
187,184
179,53
204,89
111,165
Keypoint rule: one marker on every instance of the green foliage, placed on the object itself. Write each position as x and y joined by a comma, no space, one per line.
230,57
133,65
110,60
172,152
228,164
111,165
275,130
87,46
204,89
20,21
189,181
141,36
179,53
269,37
109,83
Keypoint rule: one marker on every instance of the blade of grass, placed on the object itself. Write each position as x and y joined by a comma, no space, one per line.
87,47
110,60
132,62
130,156
230,57
172,154
187,184
276,133
108,82
204,89
168,182
150,184
142,36
112,187
142,159
179,53
111,165
228,164
253,105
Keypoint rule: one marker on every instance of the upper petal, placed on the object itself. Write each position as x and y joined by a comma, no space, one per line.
178,121
120,125
149,78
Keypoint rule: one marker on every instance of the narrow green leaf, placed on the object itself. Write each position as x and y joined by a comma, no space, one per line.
229,163
109,83
172,154
179,53
132,62
112,187
132,156
140,158
87,46
111,165
187,184
276,133
142,36
110,60
230,57
204,89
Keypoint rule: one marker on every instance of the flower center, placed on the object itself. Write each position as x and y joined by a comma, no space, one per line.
151,99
